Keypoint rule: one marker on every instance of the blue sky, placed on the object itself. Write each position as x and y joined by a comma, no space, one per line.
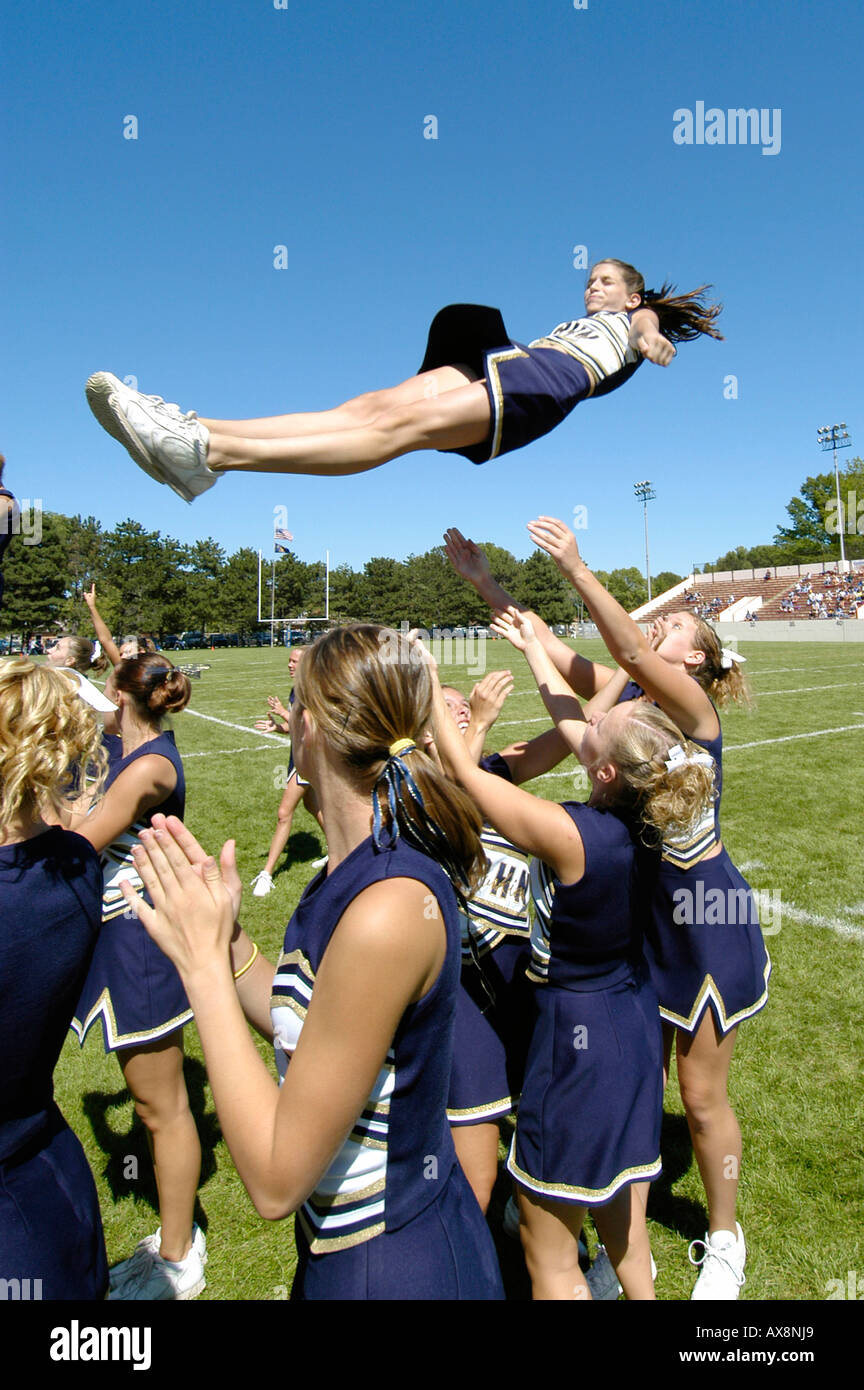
303,127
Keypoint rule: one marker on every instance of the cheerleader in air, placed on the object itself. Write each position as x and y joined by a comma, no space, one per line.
478,392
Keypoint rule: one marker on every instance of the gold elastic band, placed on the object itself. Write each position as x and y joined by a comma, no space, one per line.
250,962
402,745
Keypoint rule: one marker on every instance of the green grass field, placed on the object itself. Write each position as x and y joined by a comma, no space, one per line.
793,792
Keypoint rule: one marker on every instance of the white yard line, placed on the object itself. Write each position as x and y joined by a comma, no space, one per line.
254,733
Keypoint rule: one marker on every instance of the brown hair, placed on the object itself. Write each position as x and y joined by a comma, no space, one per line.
82,655
156,686
683,316
720,683
669,800
50,740
366,687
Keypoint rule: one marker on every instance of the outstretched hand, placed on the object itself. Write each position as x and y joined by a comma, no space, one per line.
90,596
558,541
195,901
466,558
515,626
488,696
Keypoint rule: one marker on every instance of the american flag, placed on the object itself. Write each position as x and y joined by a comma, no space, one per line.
281,535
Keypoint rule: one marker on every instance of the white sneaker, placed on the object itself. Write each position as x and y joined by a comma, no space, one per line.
147,1277
261,884
722,1273
170,445
319,863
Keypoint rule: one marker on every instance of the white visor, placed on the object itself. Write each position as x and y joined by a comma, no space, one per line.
90,693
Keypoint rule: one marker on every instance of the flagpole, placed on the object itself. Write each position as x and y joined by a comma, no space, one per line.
272,597
327,588
259,586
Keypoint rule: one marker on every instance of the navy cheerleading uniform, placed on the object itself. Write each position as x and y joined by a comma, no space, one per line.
703,942
393,1217
51,1238
589,1118
494,1005
131,985
531,388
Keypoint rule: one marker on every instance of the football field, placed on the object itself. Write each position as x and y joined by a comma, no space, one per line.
792,820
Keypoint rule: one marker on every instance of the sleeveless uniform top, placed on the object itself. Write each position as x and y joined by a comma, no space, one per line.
50,889
499,907
117,864
585,931
601,343
381,1178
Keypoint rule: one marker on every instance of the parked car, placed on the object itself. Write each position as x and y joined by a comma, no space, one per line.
171,642
189,640
295,636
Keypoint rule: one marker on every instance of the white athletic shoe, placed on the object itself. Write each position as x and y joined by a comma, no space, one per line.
319,863
146,1276
170,445
722,1274
261,884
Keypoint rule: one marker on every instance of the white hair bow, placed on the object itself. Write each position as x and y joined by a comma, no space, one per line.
97,650
678,758
727,656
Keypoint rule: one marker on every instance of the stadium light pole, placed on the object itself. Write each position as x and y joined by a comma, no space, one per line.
835,437
646,494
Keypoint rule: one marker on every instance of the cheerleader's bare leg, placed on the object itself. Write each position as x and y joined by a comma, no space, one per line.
360,410
550,1241
453,419
154,1076
622,1228
703,1074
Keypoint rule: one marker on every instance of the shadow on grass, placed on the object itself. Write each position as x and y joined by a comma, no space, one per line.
302,848
680,1215
128,1168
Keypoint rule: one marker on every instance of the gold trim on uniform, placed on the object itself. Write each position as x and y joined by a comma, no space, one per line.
492,360
587,1194
324,1245
329,1200
490,1111
708,990
105,1007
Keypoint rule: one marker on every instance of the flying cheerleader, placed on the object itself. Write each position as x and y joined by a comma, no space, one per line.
478,392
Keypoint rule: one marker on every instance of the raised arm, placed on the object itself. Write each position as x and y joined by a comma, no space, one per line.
674,690
586,677
563,707
540,827
486,701
109,646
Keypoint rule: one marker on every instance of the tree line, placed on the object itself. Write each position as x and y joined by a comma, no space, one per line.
150,583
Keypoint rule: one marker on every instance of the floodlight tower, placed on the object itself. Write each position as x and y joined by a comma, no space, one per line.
835,437
646,494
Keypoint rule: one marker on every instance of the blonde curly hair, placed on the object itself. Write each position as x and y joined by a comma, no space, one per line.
670,801
50,741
